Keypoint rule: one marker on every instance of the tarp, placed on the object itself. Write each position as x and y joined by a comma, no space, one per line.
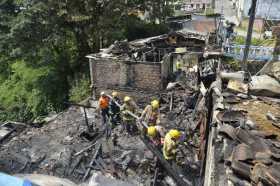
7,180
46,180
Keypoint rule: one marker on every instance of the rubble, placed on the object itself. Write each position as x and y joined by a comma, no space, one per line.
264,86
66,147
232,137
246,140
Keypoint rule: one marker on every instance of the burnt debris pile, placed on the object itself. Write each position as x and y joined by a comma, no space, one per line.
66,148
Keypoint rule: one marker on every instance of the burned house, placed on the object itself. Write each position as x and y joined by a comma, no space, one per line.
145,64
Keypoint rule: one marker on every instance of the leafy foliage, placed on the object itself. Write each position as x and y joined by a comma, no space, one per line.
80,91
43,45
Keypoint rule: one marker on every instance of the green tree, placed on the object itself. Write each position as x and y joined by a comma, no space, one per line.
43,45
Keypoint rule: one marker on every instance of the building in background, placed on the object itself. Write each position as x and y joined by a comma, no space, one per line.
195,5
267,13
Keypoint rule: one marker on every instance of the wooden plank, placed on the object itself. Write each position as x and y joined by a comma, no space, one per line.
173,172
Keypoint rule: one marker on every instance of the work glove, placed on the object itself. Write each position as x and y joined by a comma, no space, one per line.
182,138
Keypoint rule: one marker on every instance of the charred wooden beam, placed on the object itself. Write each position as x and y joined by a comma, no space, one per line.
97,152
154,183
76,165
172,171
85,149
86,120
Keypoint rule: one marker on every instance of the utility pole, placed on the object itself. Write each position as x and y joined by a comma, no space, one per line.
252,13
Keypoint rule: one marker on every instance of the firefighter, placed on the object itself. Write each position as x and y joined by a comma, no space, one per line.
170,145
103,104
179,65
114,109
156,135
151,114
128,120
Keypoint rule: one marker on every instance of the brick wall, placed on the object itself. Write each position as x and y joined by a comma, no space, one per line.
106,73
147,76
112,73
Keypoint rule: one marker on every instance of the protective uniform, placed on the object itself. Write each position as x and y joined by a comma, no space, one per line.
179,74
114,109
104,106
170,144
178,65
128,120
156,135
151,114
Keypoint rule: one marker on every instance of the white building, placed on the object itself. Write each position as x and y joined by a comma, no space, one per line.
266,9
193,5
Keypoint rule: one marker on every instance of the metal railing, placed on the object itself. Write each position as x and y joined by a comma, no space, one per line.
256,53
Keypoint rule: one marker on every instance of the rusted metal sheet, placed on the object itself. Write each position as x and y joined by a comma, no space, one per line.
242,169
237,181
231,98
228,131
243,136
231,116
260,146
263,158
262,134
276,144
243,152
266,175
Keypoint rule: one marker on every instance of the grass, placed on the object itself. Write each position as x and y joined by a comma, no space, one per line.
255,41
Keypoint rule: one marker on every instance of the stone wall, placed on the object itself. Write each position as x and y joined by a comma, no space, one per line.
108,73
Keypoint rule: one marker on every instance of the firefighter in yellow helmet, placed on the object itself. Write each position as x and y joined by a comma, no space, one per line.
178,65
179,74
129,121
156,135
151,114
170,144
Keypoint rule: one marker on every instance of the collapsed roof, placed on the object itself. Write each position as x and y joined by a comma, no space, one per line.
153,49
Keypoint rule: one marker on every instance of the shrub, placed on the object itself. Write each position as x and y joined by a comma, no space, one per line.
80,91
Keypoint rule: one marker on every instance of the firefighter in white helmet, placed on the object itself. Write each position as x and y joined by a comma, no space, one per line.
129,121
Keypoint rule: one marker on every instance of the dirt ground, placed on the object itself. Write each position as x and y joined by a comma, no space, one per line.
257,111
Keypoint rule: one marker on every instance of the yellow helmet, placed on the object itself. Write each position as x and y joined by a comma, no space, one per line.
127,99
175,133
114,94
152,131
155,104
178,65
